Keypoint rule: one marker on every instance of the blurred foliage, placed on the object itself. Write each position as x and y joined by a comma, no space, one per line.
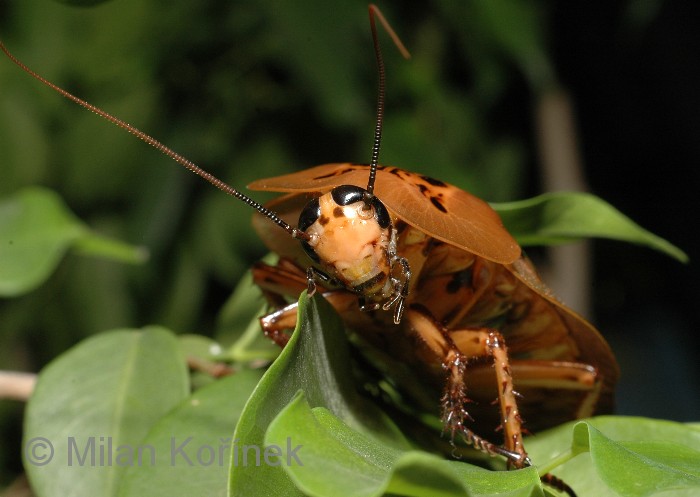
169,442
245,90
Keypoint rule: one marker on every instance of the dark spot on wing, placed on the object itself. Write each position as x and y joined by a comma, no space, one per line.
336,173
329,175
422,188
338,212
438,204
323,220
434,182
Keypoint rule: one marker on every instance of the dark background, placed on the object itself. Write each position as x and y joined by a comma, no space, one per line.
253,89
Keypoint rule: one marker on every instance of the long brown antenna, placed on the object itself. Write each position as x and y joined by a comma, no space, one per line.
375,12
164,149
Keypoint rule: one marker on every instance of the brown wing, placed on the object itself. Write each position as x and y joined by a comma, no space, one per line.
441,210
592,347
287,207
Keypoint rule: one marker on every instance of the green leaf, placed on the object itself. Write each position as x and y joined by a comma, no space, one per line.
36,230
334,460
562,217
200,347
317,360
106,393
641,468
238,323
95,245
192,442
628,456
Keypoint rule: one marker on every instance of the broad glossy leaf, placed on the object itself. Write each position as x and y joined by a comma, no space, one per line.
317,360
94,404
619,455
641,467
635,457
192,442
561,217
200,347
36,230
334,460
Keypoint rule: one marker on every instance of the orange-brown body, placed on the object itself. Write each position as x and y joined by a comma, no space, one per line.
459,303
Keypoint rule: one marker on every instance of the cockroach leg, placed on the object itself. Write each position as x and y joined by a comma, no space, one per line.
368,306
282,280
213,369
559,375
274,324
559,484
454,413
401,286
311,281
313,275
475,343
511,420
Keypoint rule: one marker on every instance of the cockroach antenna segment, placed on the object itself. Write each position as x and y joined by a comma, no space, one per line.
375,12
295,233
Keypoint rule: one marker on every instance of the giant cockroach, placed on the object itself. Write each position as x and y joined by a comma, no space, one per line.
433,284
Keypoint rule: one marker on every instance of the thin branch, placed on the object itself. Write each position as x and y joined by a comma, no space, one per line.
16,385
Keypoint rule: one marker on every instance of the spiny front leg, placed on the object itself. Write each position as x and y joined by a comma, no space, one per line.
474,343
511,422
276,324
490,343
455,415
312,275
454,400
401,285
